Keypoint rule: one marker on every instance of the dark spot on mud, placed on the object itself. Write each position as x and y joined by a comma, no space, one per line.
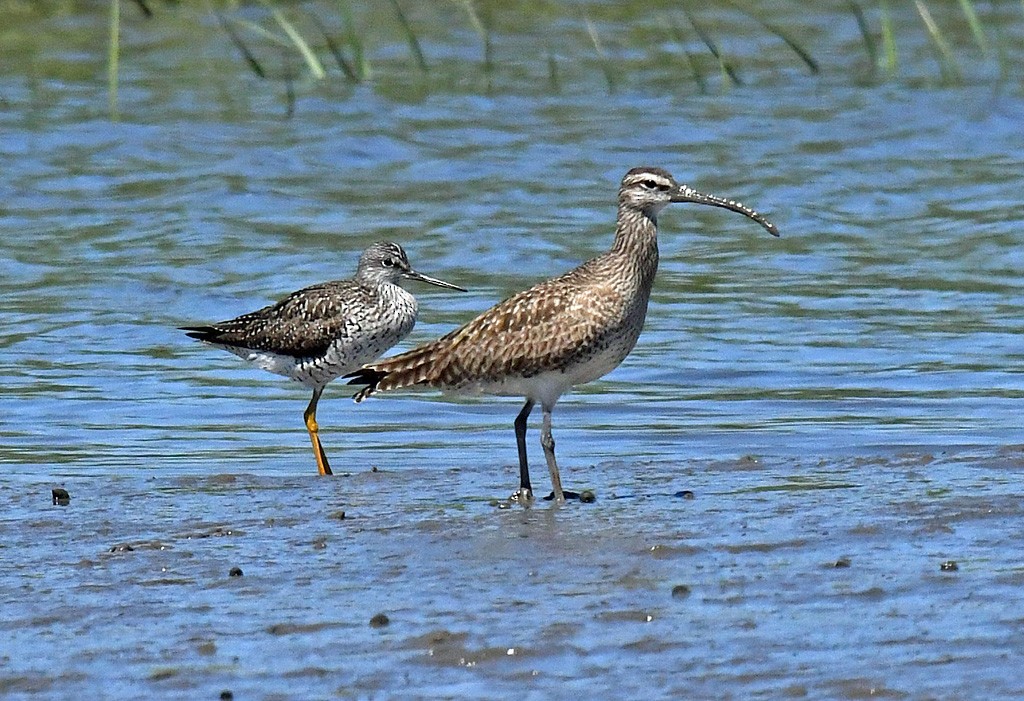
842,562
296,628
226,695
374,469
235,572
949,566
435,638
668,551
164,673
625,615
60,497
445,648
215,532
139,545
766,547
587,497
379,621
684,494
307,672
680,591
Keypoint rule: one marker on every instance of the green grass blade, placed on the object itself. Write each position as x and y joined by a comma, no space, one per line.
485,36
691,61
289,84
602,56
312,62
967,7
947,60
144,8
728,72
361,64
250,59
865,32
410,37
113,57
474,19
888,40
553,79
793,45
782,34
335,50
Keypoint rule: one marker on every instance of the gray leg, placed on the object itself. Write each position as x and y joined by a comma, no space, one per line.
547,442
524,495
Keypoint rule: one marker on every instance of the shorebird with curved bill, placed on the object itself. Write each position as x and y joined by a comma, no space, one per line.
559,333
324,331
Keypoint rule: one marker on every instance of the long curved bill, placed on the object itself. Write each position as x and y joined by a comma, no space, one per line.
413,275
688,194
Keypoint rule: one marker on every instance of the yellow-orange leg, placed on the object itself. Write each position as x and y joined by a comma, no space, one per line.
322,466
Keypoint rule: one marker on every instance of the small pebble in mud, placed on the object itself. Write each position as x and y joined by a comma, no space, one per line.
338,515
320,544
226,695
374,469
379,621
235,572
587,497
842,562
680,591
949,566
684,494
60,497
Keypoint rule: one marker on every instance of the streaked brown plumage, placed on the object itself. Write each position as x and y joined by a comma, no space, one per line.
559,333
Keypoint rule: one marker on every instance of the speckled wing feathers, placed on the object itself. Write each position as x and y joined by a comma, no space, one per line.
303,324
539,329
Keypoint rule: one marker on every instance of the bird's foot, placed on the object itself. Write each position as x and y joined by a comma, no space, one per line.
522,496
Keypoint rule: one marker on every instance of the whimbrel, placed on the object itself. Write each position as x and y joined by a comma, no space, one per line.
324,331
559,333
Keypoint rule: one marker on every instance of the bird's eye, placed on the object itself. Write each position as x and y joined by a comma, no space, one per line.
651,184
388,262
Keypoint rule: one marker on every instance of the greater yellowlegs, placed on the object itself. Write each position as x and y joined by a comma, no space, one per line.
324,331
560,333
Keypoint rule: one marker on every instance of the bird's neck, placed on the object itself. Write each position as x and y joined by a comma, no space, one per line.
395,294
636,239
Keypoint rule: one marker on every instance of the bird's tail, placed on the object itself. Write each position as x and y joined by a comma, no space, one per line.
415,367
209,334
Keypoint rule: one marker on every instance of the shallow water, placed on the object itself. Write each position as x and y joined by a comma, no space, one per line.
847,394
